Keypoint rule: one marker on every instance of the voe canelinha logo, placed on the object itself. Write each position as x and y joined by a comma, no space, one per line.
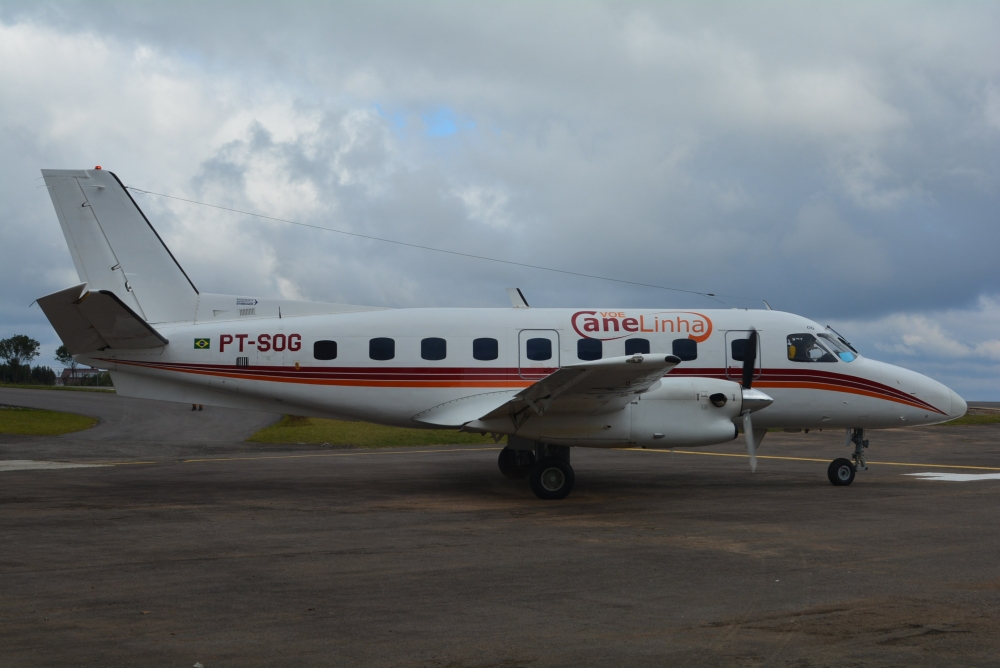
611,325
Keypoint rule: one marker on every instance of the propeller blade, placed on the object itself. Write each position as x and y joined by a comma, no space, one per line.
751,446
749,360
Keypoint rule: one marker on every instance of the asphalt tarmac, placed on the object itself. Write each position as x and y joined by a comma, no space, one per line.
181,544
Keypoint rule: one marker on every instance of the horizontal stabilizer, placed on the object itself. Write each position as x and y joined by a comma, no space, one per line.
96,320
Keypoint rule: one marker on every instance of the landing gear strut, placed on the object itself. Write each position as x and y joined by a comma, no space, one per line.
842,471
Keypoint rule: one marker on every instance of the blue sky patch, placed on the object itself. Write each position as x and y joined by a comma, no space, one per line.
443,122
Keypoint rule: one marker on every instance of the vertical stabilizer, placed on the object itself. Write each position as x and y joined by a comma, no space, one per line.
115,248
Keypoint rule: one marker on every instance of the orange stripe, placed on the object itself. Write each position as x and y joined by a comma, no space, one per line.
841,388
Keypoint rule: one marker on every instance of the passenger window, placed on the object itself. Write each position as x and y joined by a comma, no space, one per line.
433,349
589,349
687,349
806,348
325,350
382,349
636,346
538,350
485,349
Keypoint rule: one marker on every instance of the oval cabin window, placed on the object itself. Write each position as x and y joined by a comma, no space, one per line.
325,350
636,346
538,350
485,349
589,349
382,349
686,349
433,349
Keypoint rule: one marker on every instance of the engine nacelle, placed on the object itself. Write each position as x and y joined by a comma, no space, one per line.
686,412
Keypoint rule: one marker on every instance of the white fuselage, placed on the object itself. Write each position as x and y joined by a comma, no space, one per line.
270,363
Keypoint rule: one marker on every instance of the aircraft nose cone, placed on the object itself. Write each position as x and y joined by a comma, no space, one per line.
958,406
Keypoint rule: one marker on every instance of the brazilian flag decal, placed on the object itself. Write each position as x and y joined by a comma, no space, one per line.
202,344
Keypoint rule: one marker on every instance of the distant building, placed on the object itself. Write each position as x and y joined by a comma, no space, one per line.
71,377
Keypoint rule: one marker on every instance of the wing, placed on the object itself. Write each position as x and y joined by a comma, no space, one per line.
601,386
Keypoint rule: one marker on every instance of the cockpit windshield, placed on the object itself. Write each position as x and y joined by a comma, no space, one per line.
807,348
818,348
835,344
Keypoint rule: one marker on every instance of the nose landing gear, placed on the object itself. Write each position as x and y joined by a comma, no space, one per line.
842,471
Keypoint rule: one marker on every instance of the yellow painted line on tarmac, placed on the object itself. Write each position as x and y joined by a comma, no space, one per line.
333,454
811,459
357,453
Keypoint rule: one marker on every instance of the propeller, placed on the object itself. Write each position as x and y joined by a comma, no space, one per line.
753,400
749,359
751,446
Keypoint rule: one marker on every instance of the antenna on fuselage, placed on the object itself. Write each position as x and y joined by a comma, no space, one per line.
517,299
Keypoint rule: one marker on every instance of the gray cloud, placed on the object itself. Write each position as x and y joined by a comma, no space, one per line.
838,161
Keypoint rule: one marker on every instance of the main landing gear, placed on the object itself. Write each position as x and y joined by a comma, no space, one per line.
842,471
546,467
516,464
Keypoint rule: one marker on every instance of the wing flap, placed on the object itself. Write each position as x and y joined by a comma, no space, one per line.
461,411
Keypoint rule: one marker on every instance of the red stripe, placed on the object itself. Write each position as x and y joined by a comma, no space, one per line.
510,377
786,377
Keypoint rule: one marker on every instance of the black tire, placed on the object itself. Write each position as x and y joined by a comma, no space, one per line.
551,478
515,464
841,472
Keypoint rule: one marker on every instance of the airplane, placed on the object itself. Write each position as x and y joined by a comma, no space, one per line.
546,379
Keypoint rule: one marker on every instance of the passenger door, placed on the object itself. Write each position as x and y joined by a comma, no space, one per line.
538,353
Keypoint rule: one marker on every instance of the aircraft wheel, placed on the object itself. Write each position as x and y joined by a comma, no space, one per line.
841,472
515,464
551,478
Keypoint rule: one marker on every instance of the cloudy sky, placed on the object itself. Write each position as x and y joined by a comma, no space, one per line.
840,160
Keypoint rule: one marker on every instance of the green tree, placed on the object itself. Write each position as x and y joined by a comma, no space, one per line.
43,375
64,358
18,350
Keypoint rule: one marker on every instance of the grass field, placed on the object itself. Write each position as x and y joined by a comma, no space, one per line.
34,422
61,388
294,429
974,417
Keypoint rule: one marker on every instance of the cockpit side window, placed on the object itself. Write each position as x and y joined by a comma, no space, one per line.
838,347
806,348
